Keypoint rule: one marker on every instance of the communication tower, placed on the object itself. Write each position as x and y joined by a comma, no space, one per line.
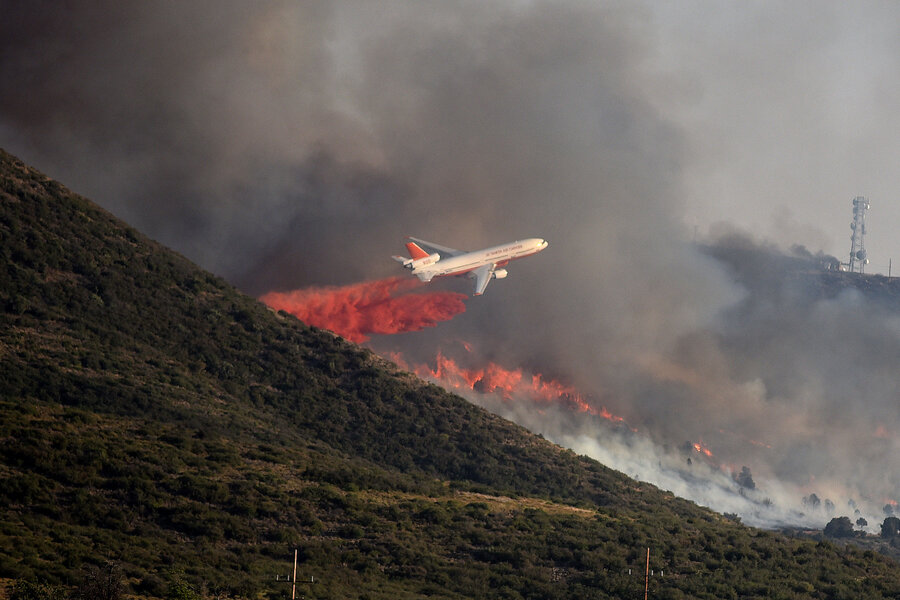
858,260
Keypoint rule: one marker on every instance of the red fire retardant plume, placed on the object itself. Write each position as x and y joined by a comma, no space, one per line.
356,311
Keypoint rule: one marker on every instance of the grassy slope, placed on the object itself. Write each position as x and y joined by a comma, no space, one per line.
151,414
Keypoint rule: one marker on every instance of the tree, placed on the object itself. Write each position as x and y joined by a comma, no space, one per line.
839,527
890,528
861,522
105,582
745,479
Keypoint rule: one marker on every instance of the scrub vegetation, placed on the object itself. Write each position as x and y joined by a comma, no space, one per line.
163,435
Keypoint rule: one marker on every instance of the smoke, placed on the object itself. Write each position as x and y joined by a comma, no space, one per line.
375,307
290,145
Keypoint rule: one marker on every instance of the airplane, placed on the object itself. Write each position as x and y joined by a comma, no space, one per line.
481,265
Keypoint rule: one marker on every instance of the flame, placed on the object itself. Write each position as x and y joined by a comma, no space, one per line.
510,384
355,311
703,449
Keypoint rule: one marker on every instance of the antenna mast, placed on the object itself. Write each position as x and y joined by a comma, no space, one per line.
858,260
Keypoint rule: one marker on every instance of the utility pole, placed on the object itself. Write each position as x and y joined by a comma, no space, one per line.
294,585
647,576
293,578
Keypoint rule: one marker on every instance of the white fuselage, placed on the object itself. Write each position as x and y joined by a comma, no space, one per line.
469,261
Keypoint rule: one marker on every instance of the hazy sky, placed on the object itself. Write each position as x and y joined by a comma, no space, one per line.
789,110
783,112
284,145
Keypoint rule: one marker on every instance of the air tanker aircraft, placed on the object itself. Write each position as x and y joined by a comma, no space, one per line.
481,265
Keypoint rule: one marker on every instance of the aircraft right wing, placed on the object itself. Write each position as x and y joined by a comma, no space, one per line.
482,277
441,249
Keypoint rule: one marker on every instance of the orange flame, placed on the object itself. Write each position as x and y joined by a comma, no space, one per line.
703,449
510,384
355,311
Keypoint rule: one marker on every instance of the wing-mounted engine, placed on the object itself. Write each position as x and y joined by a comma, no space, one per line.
500,273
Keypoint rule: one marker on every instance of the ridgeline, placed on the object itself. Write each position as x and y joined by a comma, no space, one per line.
160,427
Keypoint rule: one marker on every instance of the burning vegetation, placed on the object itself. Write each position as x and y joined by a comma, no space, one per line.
510,384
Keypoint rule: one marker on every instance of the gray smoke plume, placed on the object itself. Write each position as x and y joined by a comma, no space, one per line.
284,145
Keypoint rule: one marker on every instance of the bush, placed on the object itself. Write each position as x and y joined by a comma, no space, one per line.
29,590
180,590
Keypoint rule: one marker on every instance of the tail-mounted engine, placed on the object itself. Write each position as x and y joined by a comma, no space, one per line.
415,263
423,262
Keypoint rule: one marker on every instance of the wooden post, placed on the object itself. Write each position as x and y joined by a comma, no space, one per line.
647,576
294,585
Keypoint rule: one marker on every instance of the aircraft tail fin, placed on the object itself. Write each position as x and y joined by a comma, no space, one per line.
415,251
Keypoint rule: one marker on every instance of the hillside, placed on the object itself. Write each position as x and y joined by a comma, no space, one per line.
153,416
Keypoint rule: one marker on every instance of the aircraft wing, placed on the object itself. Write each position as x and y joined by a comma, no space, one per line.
482,277
440,249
